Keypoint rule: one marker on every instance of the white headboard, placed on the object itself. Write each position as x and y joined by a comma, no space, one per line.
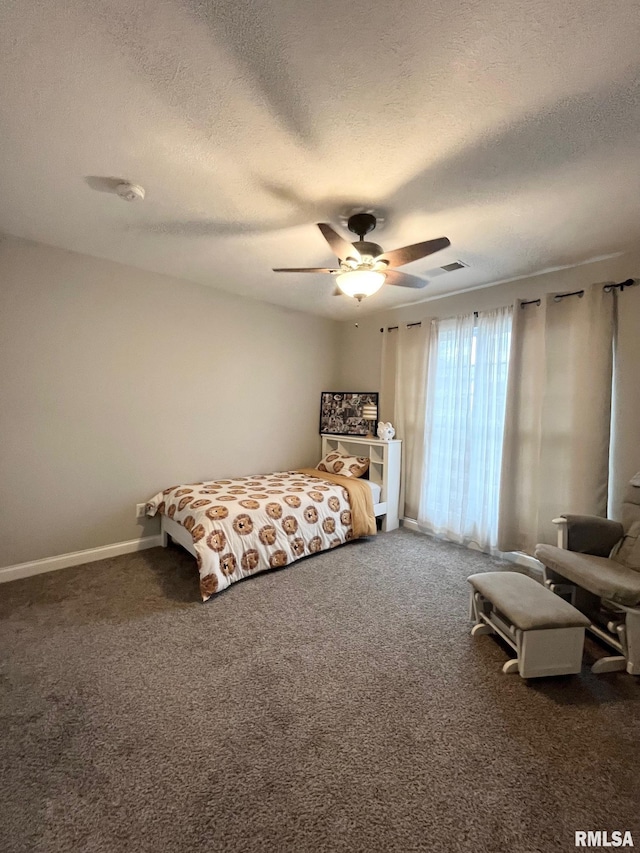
384,469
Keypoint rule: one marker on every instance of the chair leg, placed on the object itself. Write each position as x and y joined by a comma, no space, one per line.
473,615
614,663
632,637
481,628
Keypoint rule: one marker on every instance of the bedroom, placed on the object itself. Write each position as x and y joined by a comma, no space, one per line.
145,344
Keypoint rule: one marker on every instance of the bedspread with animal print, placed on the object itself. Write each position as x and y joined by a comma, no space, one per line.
250,524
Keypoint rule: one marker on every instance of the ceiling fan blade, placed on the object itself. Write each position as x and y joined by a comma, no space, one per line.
339,246
307,269
404,280
399,257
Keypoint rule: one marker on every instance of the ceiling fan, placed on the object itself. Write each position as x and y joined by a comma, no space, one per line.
364,267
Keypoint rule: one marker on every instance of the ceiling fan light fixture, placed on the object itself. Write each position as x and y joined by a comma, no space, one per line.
360,283
364,267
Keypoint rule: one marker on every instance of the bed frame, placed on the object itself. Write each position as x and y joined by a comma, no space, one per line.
179,534
384,469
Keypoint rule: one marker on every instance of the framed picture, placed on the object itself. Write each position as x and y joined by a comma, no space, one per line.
341,411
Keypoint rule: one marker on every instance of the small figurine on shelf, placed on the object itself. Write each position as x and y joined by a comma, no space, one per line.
385,431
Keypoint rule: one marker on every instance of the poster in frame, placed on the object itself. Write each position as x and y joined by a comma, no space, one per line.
341,411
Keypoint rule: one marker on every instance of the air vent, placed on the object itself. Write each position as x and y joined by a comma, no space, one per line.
456,265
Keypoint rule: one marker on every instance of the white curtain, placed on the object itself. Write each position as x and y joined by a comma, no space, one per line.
411,364
465,412
556,449
388,358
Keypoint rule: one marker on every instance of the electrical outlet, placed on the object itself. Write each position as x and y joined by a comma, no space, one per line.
140,513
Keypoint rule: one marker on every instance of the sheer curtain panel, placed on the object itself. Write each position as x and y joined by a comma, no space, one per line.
465,414
556,449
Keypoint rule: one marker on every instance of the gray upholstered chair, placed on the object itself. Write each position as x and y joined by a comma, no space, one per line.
596,566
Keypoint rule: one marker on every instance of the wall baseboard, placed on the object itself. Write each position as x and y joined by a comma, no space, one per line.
77,558
517,557
104,552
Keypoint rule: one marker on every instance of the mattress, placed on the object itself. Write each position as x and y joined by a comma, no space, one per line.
375,491
250,524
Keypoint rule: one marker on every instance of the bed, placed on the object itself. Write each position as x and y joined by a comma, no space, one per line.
240,527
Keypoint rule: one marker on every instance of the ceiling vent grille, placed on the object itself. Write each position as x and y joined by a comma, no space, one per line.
456,265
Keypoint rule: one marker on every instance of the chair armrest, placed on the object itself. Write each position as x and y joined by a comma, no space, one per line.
588,534
561,529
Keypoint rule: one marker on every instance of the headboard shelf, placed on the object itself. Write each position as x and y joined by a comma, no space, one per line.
384,469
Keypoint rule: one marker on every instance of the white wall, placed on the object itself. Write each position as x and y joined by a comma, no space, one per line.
116,383
361,347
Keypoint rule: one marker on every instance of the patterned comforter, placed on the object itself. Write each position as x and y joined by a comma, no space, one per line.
250,524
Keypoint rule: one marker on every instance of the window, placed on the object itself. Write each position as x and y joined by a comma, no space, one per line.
466,397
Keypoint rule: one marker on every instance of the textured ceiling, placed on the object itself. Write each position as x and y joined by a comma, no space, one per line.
513,128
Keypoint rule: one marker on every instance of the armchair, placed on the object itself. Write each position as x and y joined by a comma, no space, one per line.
596,566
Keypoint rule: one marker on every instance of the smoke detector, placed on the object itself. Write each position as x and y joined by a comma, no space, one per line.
130,192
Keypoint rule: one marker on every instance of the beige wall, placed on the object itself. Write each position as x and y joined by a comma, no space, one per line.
361,347
116,383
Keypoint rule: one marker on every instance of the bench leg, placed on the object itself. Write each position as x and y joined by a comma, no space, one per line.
476,609
511,666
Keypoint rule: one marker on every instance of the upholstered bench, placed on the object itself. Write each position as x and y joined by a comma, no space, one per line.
546,631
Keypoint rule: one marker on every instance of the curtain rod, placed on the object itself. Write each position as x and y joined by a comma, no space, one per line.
556,298
409,326
630,282
580,293
560,296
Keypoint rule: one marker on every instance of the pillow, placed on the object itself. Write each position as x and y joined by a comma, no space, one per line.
627,551
348,466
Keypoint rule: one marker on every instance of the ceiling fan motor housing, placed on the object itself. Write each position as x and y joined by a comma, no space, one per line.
361,223
365,248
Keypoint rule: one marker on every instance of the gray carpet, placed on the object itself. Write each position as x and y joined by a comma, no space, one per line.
336,705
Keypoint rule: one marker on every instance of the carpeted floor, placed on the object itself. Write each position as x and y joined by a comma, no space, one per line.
336,705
